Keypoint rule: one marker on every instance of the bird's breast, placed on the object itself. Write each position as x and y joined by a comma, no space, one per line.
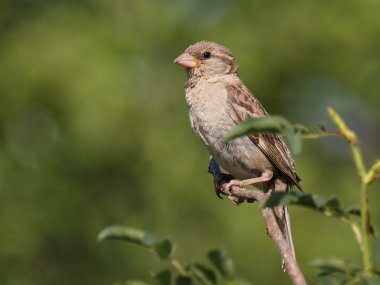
211,122
208,112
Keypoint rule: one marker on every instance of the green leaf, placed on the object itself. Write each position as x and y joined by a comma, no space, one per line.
204,275
187,265
336,280
183,280
330,266
301,128
329,207
322,127
355,211
283,198
164,249
295,141
163,277
132,235
267,124
372,280
271,124
222,262
332,207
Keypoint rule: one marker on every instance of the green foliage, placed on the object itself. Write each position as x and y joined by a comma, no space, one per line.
131,235
222,262
330,207
330,266
204,274
94,129
180,273
164,248
342,272
163,277
183,280
270,124
335,271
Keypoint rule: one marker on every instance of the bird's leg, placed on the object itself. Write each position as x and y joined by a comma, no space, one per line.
220,179
221,182
265,176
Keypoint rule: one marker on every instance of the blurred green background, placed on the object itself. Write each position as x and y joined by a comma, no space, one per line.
94,130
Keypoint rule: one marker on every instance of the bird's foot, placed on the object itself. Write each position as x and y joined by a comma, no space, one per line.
219,181
232,183
223,185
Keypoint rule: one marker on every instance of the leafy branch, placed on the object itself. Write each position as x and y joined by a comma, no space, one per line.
366,178
221,270
294,134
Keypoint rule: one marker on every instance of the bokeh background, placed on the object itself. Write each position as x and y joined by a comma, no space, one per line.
94,130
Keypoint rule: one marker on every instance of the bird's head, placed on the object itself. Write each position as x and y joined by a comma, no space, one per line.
207,59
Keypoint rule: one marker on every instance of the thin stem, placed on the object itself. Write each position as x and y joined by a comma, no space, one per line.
177,265
365,245
358,158
356,230
373,173
317,135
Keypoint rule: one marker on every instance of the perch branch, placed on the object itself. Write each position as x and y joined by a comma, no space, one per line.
274,230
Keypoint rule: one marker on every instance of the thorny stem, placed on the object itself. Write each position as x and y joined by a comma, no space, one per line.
366,178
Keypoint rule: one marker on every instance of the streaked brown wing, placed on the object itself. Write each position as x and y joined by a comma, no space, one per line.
243,105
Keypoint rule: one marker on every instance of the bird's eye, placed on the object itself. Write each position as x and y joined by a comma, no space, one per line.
206,54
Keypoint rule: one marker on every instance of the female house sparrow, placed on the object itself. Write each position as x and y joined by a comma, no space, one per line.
218,100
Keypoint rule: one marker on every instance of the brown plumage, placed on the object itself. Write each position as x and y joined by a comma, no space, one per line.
218,100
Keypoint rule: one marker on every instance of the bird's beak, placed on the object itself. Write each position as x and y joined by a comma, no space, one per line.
186,60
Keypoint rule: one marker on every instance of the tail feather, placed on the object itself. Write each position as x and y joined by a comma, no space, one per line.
288,234
282,215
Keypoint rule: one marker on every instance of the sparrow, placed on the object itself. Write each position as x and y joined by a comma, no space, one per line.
217,101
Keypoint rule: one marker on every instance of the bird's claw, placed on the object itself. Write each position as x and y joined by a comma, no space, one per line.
236,201
218,182
223,185
218,185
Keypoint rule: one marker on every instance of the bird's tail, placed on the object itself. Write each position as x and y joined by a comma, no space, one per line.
282,215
